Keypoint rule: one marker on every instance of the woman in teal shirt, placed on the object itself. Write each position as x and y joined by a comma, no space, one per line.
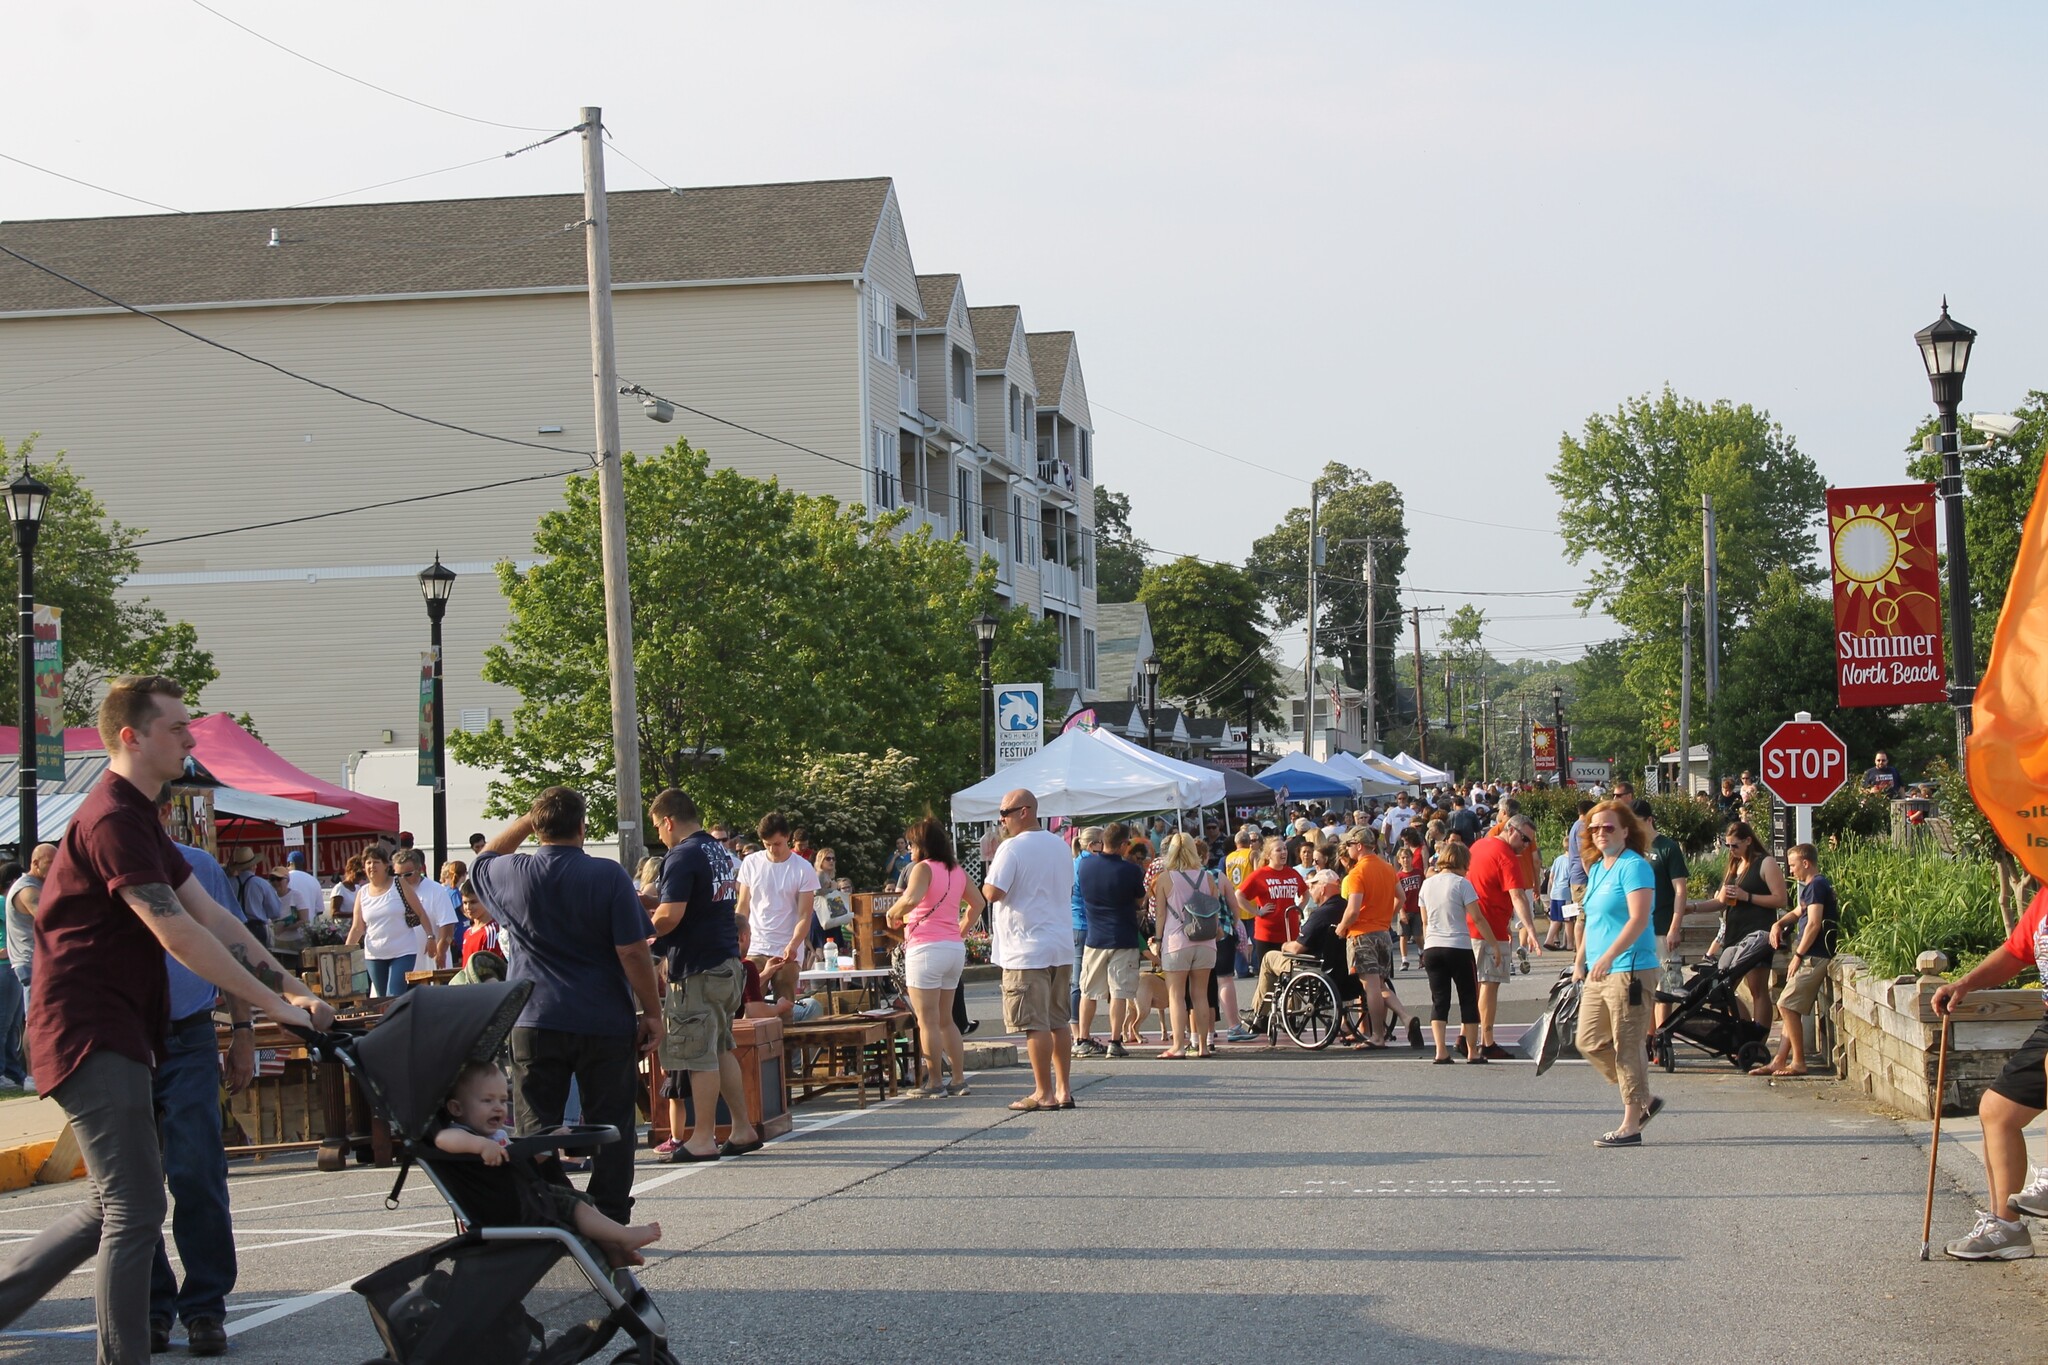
1618,995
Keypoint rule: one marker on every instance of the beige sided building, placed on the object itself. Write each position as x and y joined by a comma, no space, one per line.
791,309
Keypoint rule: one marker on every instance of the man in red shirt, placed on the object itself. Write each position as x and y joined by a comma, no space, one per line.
1497,874
120,895
2014,1100
1276,891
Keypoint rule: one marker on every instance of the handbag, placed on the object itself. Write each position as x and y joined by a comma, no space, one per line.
1201,915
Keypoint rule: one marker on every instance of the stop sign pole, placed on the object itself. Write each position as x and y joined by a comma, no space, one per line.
1803,763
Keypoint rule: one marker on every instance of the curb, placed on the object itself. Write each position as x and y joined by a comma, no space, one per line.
981,972
18,1165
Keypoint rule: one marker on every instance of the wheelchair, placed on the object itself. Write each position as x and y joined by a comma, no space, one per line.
1311,1007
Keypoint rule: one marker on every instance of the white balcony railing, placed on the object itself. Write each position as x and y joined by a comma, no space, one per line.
1056,473
1000,553
1059,582
906,392
960,416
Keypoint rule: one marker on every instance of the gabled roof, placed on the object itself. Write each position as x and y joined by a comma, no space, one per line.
937,293
1056,365
1120,622
994,330
810,229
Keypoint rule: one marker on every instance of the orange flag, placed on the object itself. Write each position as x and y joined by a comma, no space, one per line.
2009,745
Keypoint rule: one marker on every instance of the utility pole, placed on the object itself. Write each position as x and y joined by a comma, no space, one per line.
618,603
1522,737
1372,652
1685,693
1713,602
1308,670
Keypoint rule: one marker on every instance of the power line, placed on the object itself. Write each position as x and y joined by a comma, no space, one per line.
290,374
118,194
368,85
382,504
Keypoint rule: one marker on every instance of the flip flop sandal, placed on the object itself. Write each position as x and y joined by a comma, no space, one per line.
1067,1103
1027,1105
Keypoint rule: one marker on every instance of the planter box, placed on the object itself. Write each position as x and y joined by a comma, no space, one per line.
757,1046
1888,1039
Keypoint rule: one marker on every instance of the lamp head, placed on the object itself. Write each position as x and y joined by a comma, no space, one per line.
1945,351
437,580
1152,667
985,628
27,497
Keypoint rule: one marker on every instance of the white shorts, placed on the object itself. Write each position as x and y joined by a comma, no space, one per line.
934,966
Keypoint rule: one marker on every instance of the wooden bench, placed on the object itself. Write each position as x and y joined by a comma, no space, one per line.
846,1052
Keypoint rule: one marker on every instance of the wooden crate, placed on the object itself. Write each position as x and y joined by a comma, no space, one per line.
279,1109
757,1046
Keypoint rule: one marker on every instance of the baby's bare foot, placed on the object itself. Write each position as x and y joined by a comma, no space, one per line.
640,1235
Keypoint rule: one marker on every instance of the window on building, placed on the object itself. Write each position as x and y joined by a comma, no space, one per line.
1045,449
964,512
1088,659
882,324
1049,532
1017,528
882,445
1087,453
963,384
1016,411
1087,561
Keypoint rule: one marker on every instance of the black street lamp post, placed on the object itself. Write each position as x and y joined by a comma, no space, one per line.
1251,696
26,498
1564,767
985,636
437,580
1945,349
1151,701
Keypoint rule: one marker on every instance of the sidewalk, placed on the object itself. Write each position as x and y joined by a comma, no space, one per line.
30,1118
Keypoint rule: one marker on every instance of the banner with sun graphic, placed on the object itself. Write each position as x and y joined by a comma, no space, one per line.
1888,649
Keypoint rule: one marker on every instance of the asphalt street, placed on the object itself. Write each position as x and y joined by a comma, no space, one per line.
1262,1205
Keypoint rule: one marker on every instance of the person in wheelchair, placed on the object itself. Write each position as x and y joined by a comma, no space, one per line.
1318,939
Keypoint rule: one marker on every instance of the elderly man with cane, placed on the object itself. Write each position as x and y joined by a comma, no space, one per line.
2015,1099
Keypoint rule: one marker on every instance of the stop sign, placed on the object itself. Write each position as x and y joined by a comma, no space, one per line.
1803,763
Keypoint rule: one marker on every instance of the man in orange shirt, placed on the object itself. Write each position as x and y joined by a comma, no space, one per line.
1372,896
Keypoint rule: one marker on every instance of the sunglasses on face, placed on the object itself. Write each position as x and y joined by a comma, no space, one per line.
1604,829
1007,811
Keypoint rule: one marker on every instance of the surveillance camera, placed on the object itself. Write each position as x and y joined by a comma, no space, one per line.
1995,423
658,409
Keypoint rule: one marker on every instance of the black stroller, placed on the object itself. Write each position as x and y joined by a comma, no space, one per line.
1706,1014
527,1295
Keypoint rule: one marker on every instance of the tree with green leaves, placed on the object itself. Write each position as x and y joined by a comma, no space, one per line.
1208,629
1631,485
1355,508
82,557
769,629
1998,488
1119,554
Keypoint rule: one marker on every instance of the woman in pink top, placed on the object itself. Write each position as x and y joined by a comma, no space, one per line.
929,914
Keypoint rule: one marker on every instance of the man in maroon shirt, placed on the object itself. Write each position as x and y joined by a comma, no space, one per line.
119,896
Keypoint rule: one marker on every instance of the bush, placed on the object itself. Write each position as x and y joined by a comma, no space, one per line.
1897,903
1692,822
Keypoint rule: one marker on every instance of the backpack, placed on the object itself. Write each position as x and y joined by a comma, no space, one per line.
1201,914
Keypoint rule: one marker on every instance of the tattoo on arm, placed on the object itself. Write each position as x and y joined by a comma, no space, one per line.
262,971
159,899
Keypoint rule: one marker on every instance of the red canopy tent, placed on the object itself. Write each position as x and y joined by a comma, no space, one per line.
240,759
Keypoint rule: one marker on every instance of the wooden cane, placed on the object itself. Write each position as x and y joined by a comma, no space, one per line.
1934,1147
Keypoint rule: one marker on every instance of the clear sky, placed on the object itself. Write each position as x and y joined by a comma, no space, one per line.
1425,239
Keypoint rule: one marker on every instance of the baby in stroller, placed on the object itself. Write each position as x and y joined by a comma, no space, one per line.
500,1193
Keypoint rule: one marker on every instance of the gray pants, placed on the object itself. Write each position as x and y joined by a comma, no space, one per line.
113,1116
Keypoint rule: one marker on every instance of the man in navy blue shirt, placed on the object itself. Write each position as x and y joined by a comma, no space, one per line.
1112,889
578,933
187,1085
698,923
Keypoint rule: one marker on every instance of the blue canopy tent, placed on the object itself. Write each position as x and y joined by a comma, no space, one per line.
1306,780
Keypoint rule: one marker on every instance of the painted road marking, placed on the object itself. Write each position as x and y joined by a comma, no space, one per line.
1424,1188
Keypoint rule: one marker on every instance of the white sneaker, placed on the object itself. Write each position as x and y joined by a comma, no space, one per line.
2034,1198
1993,1239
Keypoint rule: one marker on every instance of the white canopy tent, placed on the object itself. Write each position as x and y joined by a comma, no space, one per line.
1086,772
1205,784
1423,772
1372,782
1373,758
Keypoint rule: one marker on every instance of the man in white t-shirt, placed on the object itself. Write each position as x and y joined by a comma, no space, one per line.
1395,820
304,895
1029,886
438,935
776,888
